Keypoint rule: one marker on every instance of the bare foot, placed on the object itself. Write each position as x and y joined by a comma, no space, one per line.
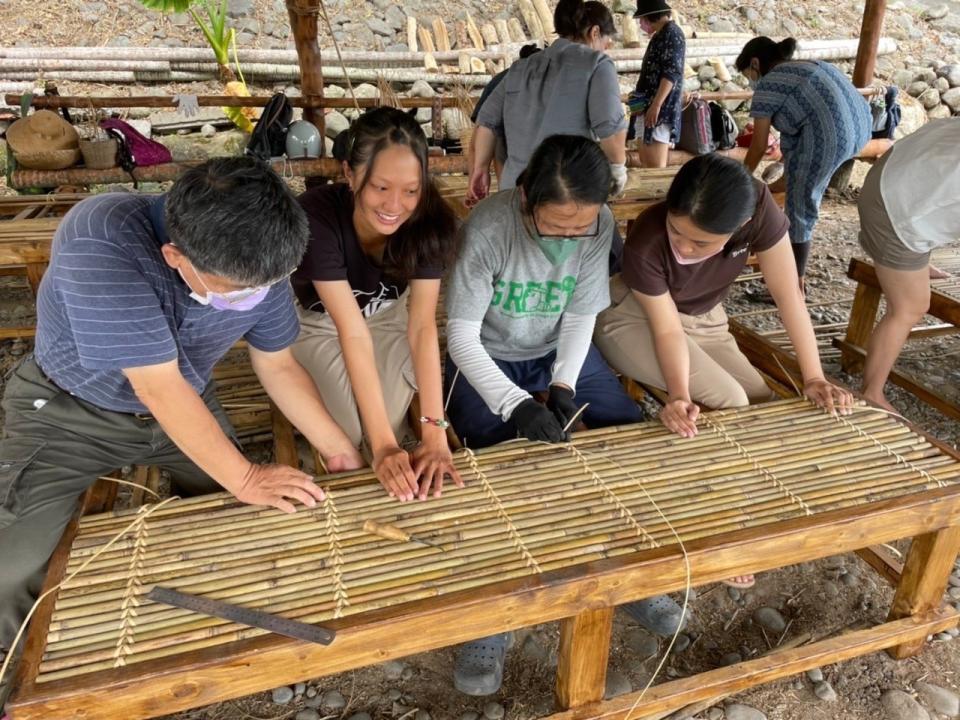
741,582
881,402
937,274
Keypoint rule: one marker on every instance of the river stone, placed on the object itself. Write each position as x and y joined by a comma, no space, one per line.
736,711
393,694
928,75
408,673
706,72
951,98
714,713
898,705
421,715
940,699
642,643
940,112
930,98
815,675
333,700
825,691
731,659
470,715
422,89
627,7
379,27
307,714
952,74
770,619
617,684
903,78
282,695
935,13
335,123
493,711
849,579
359,716
392,669
917,88
366,90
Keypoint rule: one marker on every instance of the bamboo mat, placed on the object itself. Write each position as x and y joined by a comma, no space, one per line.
526,509
947,259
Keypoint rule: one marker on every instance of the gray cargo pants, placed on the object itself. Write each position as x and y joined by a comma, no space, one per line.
54,447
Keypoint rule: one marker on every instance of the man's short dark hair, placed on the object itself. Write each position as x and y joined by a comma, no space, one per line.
234,217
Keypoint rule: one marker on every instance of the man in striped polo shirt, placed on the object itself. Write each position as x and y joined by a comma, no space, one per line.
142,297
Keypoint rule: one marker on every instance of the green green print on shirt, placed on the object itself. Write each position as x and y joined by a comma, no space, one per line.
522,299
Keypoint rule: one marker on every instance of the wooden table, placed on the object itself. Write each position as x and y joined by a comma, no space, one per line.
582,595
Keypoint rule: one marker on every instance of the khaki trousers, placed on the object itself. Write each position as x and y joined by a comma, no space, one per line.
720,375
318,350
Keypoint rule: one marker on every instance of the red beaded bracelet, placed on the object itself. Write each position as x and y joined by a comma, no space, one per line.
439,422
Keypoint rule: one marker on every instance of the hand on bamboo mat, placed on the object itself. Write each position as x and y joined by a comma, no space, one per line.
277,485
431,463
680,416
537,422
829,396
395,473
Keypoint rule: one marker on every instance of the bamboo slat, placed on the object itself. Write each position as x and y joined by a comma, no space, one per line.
527,509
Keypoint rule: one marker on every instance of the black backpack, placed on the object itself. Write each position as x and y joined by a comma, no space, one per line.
723,126
269,136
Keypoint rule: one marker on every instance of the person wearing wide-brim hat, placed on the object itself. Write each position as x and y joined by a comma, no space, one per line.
658,95
44,141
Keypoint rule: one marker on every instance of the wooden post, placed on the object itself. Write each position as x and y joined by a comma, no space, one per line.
863,316
582,660
284,442
929,564
303,22
869,41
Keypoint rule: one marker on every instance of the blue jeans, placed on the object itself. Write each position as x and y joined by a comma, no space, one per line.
477,427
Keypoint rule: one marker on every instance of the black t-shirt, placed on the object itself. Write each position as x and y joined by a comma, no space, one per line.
649,266
335,253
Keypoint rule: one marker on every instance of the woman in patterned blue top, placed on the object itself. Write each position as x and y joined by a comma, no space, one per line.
822,119
658,96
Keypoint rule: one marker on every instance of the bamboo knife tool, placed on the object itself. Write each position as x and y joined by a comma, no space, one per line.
392,532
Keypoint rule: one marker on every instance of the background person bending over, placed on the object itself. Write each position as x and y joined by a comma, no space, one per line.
909,205
142,297
525,290
658,97
570,88
822,119
377,243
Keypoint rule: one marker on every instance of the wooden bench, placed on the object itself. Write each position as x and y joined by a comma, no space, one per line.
944,305
818,509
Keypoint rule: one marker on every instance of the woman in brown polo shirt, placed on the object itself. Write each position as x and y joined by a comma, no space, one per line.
667,327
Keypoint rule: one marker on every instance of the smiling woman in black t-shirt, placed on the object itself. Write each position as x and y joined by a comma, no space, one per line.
377,243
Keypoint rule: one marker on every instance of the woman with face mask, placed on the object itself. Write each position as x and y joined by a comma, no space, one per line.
656,102
822,119
522,300
667,327
379,244
570,88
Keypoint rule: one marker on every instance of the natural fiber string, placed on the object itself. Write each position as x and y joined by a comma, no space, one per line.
131,594
687,579
887,450
336,46
340,596
71,576
501,511
721,431
610,496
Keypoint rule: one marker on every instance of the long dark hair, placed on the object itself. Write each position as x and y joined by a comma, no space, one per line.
566,168
428,237
716,193
767,52
573,19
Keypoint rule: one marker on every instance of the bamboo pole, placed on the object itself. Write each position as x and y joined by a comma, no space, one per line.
412,34
531,19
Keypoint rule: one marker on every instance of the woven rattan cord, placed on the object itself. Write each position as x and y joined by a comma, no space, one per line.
340,596
131,594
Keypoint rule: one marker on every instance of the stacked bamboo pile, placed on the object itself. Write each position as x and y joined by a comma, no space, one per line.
243,398
468,54
948,260
526,509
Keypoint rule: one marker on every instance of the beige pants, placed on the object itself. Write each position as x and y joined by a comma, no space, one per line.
720,375
318,350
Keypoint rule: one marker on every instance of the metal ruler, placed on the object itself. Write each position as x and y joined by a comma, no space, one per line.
244,616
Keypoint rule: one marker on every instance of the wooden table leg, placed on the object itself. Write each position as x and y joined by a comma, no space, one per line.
35,271
582,661
863,316
924,578
284,441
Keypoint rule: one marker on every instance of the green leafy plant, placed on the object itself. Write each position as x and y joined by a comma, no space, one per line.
213,26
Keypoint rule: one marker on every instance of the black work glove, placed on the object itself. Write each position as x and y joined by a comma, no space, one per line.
560,402
536,422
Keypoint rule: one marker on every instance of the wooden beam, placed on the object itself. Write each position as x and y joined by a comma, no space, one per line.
582,659
214,674
870,30
929,564
784,663
942,306
303,23
881,559
284,441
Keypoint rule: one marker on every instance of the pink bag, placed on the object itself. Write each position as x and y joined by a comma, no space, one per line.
143,150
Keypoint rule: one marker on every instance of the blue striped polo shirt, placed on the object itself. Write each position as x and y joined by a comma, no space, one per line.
109,301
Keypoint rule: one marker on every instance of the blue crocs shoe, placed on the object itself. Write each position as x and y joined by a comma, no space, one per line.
479,666
659,614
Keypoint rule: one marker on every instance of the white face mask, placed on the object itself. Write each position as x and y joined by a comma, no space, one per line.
691,261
